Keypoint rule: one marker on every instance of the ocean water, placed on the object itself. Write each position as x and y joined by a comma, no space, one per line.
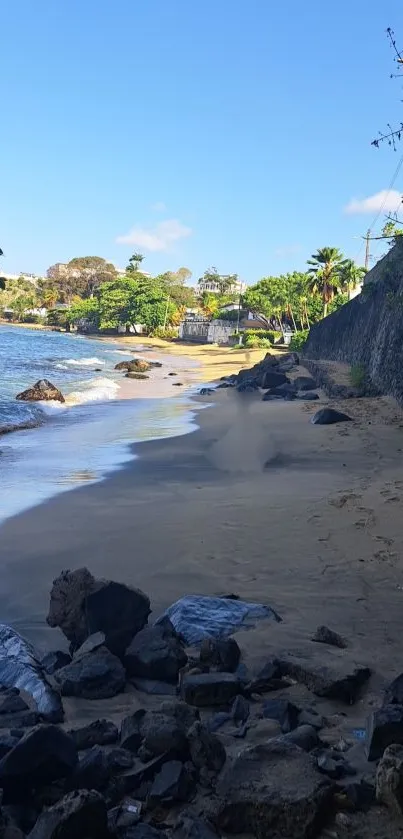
48,447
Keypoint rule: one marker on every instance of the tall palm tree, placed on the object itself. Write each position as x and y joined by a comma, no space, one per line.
326,266
351,275
134,263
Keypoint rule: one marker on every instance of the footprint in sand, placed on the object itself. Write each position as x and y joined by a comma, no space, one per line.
340,501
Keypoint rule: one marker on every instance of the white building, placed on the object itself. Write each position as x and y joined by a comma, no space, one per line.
214,288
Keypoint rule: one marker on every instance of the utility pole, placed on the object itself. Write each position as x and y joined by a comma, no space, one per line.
367,238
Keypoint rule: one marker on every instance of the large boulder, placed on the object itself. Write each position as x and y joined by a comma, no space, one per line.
342,682
98,733
206,750
82,605
43,390
43,755
272,790
82,815
98,675
172,784
133,374
139,366
329,416
220,653
304,383
156,652
271,378
384,728
209,689
389,779
123,365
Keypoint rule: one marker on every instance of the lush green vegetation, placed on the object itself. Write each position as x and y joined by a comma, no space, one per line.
298,340
358,376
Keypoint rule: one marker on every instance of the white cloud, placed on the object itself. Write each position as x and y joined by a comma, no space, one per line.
158,207
388,200
158,238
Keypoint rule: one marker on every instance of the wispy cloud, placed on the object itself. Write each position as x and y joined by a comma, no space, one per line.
388,200
287,250
158,238
159,207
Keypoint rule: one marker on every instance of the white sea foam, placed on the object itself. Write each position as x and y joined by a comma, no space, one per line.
82,362
51,406
98,390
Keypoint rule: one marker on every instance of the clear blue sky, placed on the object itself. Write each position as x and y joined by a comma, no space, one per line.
220,132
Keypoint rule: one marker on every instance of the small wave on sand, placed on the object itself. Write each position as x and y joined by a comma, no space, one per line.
97,390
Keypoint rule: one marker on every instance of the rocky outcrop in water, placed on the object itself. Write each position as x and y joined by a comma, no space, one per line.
43,390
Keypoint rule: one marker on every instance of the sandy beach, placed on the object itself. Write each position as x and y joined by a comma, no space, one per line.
258,502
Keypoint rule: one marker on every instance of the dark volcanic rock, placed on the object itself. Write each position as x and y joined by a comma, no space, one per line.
173,783
307,396
157,732
309,716
81,815
156,652
11,702
394,693
304,383
324,635
389,779
240,709
272,790
123,365
271,379
98,675
328,416
267,679
384,728
94,642
81,605
206,750
123,817
343,683
55,661
221,653
41,390
206,689
131,732
25,719
133,375
7,742
207,391
283,711
305,736
194,828
140,365
98,733
91,772
154,686
144,831
247,386
43,755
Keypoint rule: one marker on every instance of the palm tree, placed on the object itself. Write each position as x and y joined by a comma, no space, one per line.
134,263
326,266
351,276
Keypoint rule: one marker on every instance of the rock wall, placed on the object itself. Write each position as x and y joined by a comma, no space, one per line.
368,331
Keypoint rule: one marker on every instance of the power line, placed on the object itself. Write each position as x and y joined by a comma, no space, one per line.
387,193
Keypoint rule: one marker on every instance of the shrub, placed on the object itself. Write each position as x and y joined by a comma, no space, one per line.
169,333
268,334
254,342
299,339
30,318
358,376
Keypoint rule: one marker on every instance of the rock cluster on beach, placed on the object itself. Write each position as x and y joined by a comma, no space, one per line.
211,743
270,378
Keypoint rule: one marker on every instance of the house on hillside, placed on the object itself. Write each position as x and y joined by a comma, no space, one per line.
212,287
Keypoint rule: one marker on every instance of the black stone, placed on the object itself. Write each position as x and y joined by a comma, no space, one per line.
98,675
156,652
123,817
7,742
307,396
309,716
305,736
240,709
272,379
248,386
130,731
304,383
144,831
191,827
206,750
172,784
343,683
218,720
98,733
207,391
324,635
118,760
25,719
394,692
91,771
12,703
206,689
329,416
43,755
221,653
267,679
55,661
154,687
384,727
285,712
81,815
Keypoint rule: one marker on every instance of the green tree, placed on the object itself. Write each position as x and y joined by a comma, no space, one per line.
89,272
82,310
391,231
224,282
351,275
134,263
325,268
134,300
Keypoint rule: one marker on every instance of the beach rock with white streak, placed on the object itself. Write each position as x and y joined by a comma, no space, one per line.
81,605
43,390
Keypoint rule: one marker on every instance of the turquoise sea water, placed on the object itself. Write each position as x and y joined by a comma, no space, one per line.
54,447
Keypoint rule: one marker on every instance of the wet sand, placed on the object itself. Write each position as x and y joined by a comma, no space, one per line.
258,502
